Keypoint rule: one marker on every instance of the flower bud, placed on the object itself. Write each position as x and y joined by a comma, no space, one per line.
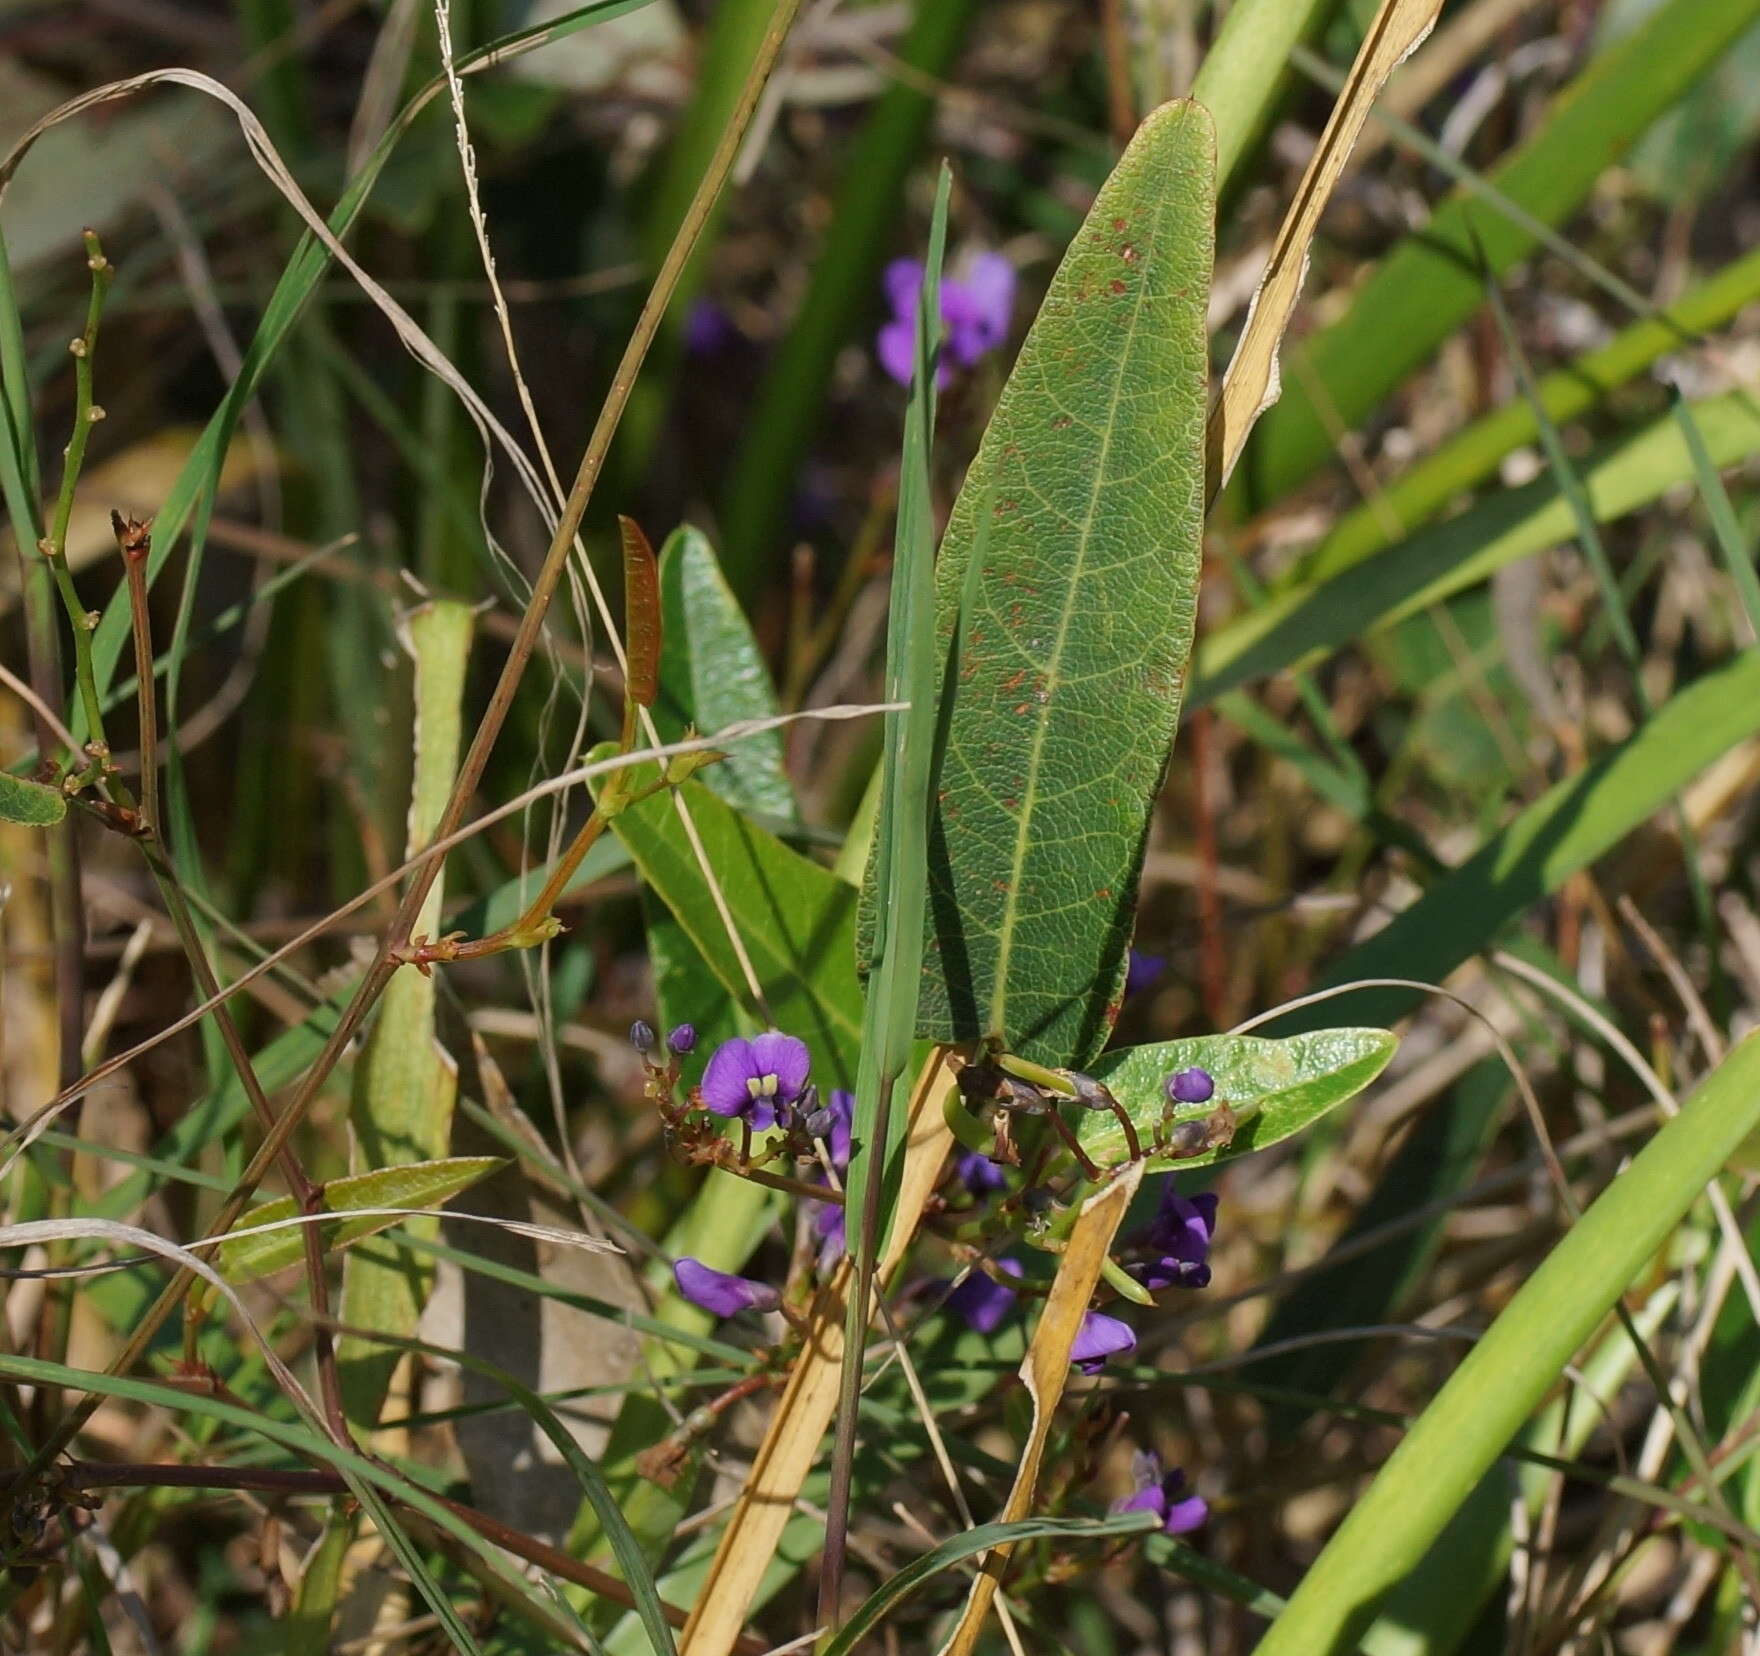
1190,1086
641,1036
683,1039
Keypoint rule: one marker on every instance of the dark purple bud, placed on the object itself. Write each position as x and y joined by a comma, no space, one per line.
641,1036
1100,1337
683,1039
1191,1086
819,1123
1089,1093
720,1292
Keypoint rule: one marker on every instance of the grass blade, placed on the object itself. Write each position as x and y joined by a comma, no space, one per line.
1514,1364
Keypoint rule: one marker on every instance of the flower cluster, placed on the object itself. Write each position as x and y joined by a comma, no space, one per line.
764,1083
975,311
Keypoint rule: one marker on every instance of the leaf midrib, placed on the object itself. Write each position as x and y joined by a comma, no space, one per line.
1054,670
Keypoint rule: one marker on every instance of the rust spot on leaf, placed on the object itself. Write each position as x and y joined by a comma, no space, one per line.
1117,285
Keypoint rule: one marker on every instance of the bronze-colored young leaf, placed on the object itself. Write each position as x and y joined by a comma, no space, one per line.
641,612
1080,520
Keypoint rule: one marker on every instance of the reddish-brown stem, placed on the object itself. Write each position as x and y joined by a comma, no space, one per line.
494,717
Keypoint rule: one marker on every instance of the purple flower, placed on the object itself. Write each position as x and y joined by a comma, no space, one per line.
1190,1086
975,310
978,1173
1165,1495
1178,1240
1100,1337
983,1302
683,1039
756,1078
1142,972
720,1292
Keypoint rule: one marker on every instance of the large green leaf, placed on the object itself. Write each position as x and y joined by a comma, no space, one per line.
1299,626
795,919
1431,283
30,804
425,1185
712,674
1277,1087
1080,519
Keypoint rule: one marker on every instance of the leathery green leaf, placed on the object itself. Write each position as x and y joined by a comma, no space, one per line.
712,674
1276,1088
425,1185
795,919
30,804
1086,498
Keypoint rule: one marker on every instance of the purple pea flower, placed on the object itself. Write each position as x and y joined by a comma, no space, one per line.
1142,972
756,1079
721,1292
1100,1337
978,1173
1190,1086
1178,1240
976,311
983,1302
1164,1494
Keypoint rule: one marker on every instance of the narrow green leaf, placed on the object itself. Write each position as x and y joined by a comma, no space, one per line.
796,919
712,674
310,1619
30,804
919,1572
1276,1087
1245,70
1432,1612
425,1185
1512,1366
1430,284
1469,457
1738,557
405,1083
1563,831
1088,493
1299,626
790,406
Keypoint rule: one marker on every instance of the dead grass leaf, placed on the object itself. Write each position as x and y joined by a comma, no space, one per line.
1251,384
1045,1373
798,1427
